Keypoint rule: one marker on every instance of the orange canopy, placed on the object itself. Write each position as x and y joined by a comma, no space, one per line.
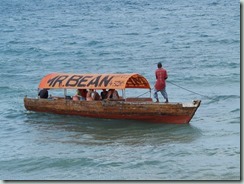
94,81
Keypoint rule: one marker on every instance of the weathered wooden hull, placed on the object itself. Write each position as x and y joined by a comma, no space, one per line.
177,113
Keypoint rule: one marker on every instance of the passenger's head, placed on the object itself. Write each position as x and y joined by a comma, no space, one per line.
159,65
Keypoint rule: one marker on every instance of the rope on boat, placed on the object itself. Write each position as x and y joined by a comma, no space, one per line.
189,90
179,87
144,93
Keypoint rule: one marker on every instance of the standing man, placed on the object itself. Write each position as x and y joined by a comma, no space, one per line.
160,85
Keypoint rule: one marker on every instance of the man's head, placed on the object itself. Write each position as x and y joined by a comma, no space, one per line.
159,65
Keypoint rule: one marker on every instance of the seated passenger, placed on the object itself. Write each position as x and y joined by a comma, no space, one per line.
81,93
92,95
89,95
75,98
43,93
104,94
113,94
96,96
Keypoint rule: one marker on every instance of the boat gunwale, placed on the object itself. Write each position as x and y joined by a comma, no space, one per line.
194,103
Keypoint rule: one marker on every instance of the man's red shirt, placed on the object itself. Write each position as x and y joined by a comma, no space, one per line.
161,75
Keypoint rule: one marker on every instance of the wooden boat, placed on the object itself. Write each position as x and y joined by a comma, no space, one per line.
143,109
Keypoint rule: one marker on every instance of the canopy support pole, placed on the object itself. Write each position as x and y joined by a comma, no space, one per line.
123,93
65,92
38,89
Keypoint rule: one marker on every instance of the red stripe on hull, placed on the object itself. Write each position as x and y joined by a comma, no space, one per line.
155,119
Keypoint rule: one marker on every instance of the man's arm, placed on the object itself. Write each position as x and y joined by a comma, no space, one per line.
166,75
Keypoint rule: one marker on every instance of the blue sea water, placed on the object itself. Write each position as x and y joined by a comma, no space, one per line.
198,42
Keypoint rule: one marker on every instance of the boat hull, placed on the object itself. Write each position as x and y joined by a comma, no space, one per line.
177,113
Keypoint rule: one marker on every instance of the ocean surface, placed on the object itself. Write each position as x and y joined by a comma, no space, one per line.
198,42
